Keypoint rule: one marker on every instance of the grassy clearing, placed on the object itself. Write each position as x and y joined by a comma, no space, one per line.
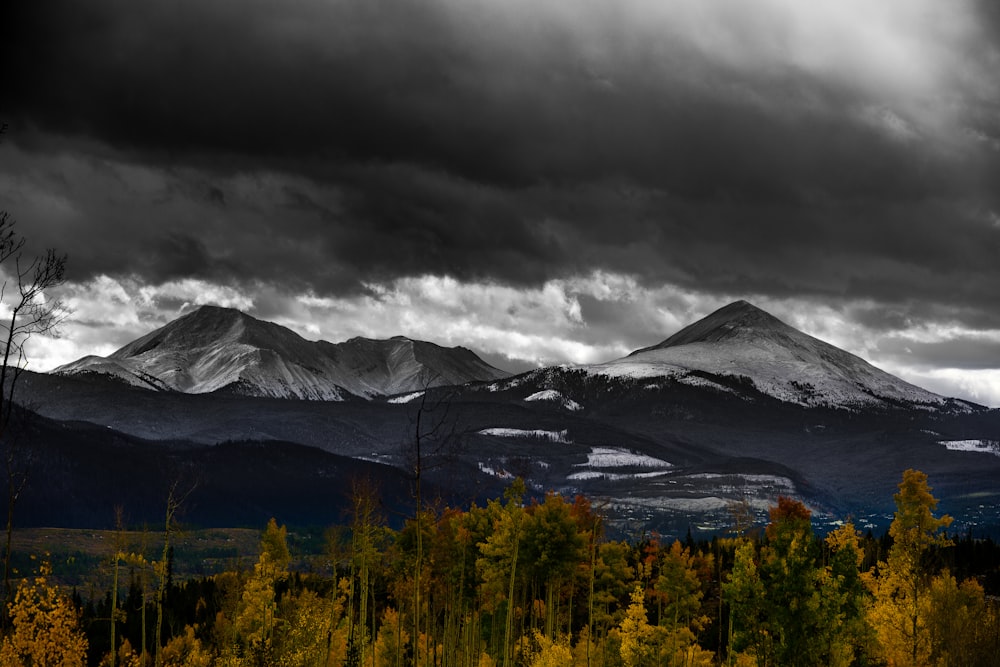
82,557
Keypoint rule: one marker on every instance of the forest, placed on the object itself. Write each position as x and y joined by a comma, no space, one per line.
533,584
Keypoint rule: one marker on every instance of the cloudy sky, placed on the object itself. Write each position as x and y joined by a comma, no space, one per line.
543,181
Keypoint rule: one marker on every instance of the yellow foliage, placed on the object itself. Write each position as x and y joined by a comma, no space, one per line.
429,652
692,655
584,645
127,657
955,615
901,611
391,641
186,651
636,632
302,637
744,660
46,627
846,538
545,652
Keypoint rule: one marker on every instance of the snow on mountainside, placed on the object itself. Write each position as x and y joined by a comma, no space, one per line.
221,349
401,365
743,341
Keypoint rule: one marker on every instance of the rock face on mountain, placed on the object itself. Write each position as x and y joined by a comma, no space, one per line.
223,350
744,343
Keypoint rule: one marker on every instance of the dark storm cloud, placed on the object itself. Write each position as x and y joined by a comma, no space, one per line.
437,85
519,142
176,256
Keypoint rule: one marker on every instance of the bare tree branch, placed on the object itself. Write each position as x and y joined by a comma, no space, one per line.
26,309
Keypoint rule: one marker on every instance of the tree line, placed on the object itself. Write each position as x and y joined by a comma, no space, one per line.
536,583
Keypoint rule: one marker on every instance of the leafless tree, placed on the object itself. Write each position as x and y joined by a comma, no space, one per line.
434,436
26,309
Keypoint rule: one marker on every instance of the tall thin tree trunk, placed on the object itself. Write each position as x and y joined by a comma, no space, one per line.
145,602
509,624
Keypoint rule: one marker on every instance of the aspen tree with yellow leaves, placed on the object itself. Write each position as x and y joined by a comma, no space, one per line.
46,627
638,637
899,612
256,617
529,585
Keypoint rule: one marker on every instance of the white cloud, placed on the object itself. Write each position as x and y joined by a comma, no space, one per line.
547,325
106,313
978,386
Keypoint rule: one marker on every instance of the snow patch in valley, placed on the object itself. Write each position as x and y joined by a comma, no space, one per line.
555,397
769,481
692,505
981,446
405,398
615,476
536,434
616,457
499,473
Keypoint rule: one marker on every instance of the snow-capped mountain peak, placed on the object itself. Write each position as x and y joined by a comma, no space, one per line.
222,349
743,342
739,320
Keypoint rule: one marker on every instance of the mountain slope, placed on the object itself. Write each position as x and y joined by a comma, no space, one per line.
219,349
400,364
745,343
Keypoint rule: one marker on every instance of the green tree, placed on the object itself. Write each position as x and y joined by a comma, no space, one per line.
498,562
679,590
552,548
794,586
789,609
847,596
745,594
613,579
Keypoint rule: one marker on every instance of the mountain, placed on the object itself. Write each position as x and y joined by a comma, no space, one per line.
741,343
81,472
215,349
736,407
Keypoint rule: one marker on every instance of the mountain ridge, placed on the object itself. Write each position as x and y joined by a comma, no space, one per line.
743,342
222,349
738,405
